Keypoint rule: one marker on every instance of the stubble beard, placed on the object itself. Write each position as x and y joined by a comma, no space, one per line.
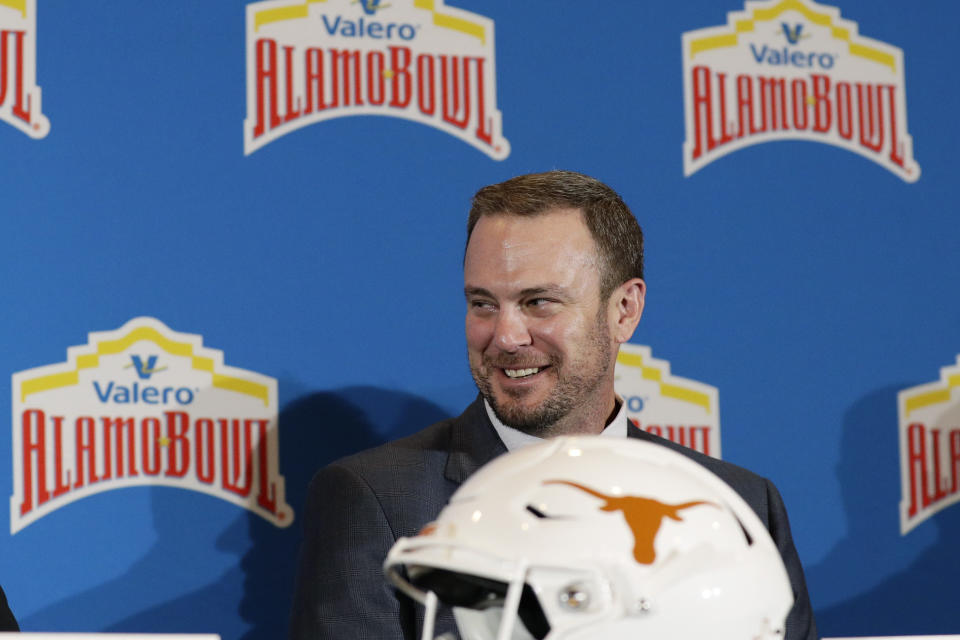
573,388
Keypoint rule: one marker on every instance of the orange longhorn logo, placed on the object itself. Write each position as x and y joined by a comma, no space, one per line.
643,515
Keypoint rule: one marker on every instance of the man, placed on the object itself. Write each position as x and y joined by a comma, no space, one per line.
553,278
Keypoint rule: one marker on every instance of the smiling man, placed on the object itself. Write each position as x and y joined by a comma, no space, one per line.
540,332
553,279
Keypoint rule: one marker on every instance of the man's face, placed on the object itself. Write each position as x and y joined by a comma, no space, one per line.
538,337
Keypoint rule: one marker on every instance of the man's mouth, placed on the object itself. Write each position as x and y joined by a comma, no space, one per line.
522,373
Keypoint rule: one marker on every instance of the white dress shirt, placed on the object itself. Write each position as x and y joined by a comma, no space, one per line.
514,439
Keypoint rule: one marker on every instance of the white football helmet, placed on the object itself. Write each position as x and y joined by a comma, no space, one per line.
587,538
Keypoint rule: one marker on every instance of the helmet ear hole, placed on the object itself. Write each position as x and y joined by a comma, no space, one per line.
574,597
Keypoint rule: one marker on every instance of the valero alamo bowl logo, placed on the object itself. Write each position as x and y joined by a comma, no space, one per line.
929,447
681,410
794,70
19,94
144,405
314,60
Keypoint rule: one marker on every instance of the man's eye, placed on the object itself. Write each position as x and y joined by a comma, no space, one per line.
482,305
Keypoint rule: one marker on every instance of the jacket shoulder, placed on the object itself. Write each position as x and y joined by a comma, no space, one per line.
405,479
413,452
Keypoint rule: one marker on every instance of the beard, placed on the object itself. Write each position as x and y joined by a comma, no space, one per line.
575,382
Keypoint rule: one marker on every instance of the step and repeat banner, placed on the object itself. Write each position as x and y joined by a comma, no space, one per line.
231,251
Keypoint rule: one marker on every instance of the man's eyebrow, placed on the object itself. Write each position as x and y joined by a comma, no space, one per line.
547,289
476,291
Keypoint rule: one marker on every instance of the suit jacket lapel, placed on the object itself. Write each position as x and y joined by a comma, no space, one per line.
473,443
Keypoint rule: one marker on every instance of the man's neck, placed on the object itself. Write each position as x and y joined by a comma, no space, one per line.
589,418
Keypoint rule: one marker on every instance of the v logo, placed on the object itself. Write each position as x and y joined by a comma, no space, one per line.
793,35
370,7
144,372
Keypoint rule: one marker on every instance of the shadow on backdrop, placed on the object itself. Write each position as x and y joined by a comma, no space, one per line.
917,599
251,600
319,428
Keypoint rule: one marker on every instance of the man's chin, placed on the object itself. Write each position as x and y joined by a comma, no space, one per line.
518,401
532,419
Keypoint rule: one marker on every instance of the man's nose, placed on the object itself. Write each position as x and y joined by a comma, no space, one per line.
511,332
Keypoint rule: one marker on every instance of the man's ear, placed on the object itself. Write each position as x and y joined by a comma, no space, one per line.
626,307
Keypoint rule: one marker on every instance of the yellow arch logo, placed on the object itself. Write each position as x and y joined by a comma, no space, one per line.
173,347
748,25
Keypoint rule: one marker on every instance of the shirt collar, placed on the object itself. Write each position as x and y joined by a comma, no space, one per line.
514,439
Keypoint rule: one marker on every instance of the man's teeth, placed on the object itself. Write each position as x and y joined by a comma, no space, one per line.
521,373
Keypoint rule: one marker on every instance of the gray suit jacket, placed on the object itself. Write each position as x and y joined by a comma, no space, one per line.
358,506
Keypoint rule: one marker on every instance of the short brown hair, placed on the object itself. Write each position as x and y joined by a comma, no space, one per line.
614,229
